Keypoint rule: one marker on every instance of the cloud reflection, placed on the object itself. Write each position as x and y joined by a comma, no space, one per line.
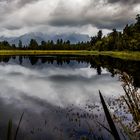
41,90
58,86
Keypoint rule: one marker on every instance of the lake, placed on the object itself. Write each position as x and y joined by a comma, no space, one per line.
59,94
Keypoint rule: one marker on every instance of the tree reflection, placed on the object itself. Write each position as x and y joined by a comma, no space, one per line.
97,62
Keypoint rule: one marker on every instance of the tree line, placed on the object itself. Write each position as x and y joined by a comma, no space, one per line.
128,39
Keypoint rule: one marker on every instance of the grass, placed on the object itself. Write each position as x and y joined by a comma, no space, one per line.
116,54
132,101
110,121
131,97
10,135
123,55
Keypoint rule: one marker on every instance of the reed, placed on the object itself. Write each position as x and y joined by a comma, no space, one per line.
131,97
10,135
9,132
110,121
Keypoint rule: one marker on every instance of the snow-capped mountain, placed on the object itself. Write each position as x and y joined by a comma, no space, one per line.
74,38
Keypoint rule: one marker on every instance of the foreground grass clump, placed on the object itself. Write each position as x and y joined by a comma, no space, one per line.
132,100
10,135
131,97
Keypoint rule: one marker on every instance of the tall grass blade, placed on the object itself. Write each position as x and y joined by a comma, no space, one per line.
9,132
109,119
104,127
17,130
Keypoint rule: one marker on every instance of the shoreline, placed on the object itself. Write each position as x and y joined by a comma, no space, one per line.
117,54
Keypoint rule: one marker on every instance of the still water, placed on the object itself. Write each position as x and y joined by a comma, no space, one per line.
59,94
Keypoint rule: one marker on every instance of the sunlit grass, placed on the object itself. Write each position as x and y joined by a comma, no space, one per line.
117,54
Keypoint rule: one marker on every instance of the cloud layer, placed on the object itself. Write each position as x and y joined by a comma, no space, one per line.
58,16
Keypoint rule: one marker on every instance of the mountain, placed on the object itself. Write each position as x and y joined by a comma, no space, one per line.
74,38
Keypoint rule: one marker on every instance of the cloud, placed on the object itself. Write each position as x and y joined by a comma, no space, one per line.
124,1
18,16
24,2
100,15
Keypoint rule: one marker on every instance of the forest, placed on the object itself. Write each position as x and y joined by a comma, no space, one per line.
127,40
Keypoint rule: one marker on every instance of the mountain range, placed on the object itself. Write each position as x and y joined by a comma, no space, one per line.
74,38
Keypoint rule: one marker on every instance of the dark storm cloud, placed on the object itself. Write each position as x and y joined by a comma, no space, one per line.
124,1
100,23
105,15
20,16
24,2
19,2
13,27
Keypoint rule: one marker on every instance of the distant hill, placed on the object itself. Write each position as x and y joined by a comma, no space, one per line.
74,38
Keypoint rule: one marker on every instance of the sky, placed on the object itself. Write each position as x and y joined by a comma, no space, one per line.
18,17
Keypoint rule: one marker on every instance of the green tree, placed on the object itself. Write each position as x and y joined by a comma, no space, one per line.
43,45
99,35
20,44
33,44
138,18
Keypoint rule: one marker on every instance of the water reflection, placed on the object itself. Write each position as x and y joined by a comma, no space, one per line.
96,62
58,94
